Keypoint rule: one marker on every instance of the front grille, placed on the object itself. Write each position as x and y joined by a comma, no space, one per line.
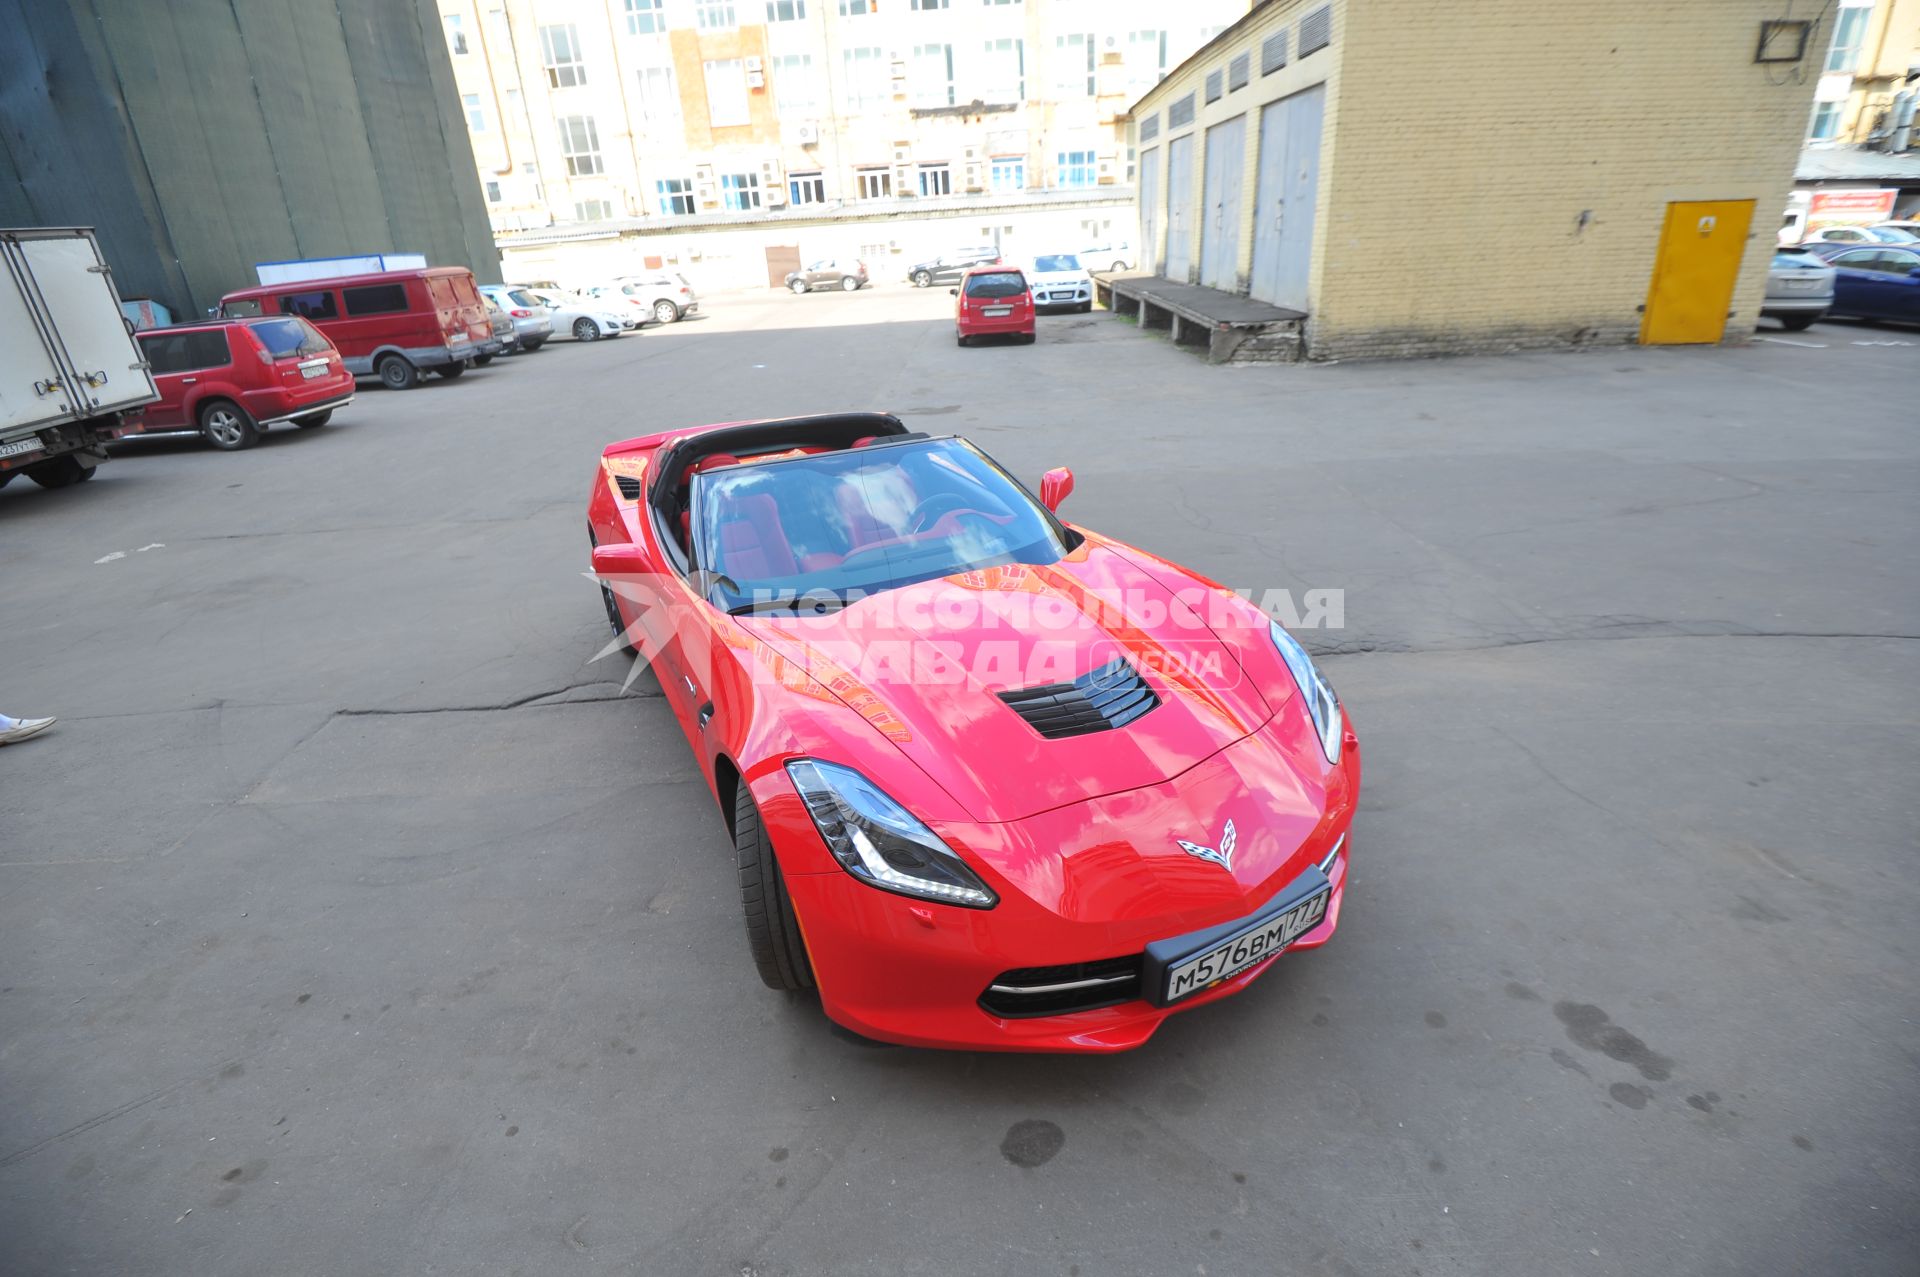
1111,696
629,486
1075,986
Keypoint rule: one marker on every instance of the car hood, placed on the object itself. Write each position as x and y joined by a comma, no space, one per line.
925,664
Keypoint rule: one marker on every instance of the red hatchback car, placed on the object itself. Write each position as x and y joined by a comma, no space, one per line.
230,379
994,781
993,301
393,325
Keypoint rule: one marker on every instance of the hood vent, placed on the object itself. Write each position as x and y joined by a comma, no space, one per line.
1111,696
629,486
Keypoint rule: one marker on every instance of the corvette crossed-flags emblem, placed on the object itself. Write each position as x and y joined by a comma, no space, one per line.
1221,855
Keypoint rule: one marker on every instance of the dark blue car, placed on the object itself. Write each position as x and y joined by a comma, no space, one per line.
1874,281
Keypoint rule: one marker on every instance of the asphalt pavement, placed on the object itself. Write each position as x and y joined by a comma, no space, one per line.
353,919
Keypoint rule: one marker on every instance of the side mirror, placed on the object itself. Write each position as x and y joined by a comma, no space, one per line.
1056,485
1914,273
621,559
953,292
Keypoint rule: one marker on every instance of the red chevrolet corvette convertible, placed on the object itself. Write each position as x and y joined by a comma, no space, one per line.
994,781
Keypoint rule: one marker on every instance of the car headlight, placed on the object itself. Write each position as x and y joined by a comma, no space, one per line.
1322,705
880,842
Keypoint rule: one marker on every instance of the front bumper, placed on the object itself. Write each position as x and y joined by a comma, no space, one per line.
918,973
1063,295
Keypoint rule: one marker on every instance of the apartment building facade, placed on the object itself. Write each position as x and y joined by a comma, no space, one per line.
648,118
1871,58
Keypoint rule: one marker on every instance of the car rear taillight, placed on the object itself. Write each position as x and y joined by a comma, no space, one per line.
521,314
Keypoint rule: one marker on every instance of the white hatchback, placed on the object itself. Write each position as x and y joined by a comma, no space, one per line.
1060,281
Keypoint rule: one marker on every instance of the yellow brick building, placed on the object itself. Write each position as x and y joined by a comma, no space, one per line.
1423,178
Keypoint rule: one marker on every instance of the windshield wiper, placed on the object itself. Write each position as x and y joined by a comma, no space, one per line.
793,603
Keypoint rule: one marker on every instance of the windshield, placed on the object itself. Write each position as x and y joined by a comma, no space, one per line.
1894,235
284,338
997,284
851,523
1058,262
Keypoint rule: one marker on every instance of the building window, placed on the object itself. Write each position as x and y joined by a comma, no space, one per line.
456,33
1849,31
727,93
493,192
592,211
1075,168
676,196
714,15
806,188
854,8
1146,60
926,6
476,114
740,192
531,172
515,111
868,80
1008,175
1006,71
795,91
580,143
644,17
1826,121
1073,65
786,10
991,3
932,75
659,102
936,179
876,183
1214,86
560,50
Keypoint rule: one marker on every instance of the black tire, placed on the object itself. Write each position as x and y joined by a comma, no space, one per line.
450,371
665,312
1797,323
1086,307
848,284
799,287
227,426
585,329
1027,339
479,361
397,372
60,472
1119,266
613,610
527,348
773,932
958,340
317,419
922,279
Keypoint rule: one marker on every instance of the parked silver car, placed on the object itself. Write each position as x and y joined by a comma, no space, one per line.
666,293
586,318
532,325
1799,288
843,273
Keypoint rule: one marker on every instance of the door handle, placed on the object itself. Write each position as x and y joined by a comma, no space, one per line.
691,689
188,381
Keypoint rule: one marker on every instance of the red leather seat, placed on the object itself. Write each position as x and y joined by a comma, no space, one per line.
753,545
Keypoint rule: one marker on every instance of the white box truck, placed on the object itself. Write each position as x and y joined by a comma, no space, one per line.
71,377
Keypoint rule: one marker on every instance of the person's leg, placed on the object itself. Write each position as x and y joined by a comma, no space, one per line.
13,730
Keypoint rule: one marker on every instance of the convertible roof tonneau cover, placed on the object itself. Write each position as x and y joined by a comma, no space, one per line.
832,430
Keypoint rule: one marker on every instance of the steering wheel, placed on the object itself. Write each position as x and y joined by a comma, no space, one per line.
939,503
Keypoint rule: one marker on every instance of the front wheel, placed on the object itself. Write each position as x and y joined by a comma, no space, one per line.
1085,307
666,313
849,284
317,419
227,426
585,330
921,279
773,930
397,372
1119,266
798,286
1797,323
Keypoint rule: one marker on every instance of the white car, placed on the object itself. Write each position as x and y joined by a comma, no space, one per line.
1059,280
666,295
1112,255
1884,233
584,318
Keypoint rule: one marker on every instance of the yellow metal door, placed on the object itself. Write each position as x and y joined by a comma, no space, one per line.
1693,277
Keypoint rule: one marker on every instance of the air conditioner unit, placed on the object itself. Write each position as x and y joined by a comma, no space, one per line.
808,134
971,155
755,80
773,183
903,183
902,152
703,173
753,64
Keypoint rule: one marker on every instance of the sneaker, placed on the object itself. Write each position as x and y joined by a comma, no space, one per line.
15,730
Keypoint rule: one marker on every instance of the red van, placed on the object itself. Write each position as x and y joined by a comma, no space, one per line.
392,325
230,379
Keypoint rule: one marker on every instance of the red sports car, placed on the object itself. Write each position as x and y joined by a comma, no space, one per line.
994,781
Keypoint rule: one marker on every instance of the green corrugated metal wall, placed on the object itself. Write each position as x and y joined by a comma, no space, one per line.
203,136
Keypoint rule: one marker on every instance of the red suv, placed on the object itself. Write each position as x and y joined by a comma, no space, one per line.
230,379
993,300
392,324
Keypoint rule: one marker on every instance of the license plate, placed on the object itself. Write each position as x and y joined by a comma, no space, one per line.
1251,945
30,444
311,371
1805,285
994,312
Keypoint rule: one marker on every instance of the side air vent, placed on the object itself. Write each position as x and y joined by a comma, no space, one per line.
1078,986
629,486
1111,696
